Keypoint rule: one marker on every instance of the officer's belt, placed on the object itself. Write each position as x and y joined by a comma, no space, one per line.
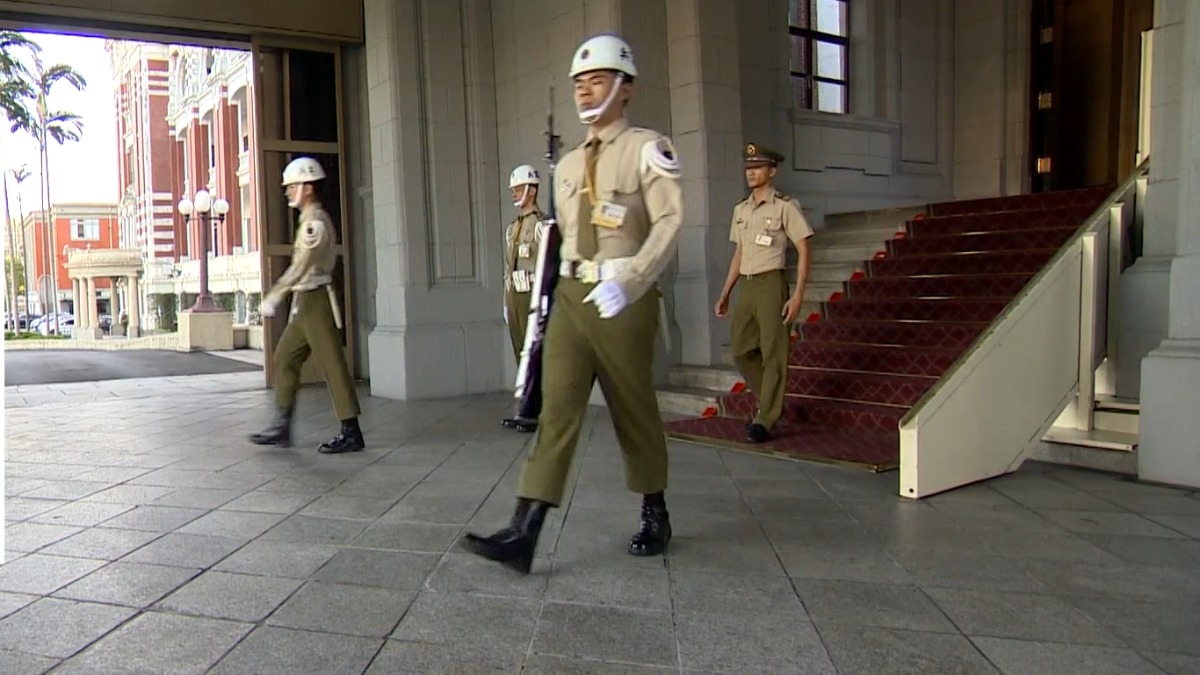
591,271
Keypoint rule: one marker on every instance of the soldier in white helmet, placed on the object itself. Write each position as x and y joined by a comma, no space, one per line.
315,317
619,206
521,241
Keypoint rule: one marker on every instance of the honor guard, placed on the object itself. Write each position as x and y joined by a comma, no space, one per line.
762,227
315,317
521,241
619,207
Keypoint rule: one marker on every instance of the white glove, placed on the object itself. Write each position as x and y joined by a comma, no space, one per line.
608,298
269,308
506,314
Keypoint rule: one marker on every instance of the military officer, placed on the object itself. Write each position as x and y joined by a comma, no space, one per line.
521,241
315,318
762,226
619,206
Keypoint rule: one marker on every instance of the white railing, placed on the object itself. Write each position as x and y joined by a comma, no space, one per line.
1039,356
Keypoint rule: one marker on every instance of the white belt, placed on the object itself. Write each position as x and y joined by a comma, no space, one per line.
590,271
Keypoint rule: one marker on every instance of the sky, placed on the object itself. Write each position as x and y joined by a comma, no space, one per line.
83,171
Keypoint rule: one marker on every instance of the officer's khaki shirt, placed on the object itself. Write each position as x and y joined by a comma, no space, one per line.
638,169
521,241
763,230
313,256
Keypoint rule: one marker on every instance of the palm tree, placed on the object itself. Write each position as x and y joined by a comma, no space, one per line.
46,124
20,175
15,85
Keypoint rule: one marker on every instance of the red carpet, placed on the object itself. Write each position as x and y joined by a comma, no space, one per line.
881,344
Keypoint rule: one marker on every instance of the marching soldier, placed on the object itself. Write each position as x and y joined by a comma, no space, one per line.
619,205
761,228
315,318
522,239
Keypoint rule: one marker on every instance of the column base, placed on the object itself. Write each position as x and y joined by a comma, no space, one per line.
81,333
205,331
1170,387
437,361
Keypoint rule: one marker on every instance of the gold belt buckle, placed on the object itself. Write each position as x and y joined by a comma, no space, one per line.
589,272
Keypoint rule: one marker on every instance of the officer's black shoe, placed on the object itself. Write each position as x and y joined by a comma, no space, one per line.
514,545
526,425
757,433
655,532
510,422
349,439
279,433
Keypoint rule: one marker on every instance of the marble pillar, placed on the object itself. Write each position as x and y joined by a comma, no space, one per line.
135,308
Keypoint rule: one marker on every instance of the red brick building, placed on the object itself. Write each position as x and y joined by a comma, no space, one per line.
76,226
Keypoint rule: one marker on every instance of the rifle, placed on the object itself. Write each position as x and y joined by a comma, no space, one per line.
529,371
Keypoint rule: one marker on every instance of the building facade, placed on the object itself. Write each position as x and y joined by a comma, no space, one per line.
76,227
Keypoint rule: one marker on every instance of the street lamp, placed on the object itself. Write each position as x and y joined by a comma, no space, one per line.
199,208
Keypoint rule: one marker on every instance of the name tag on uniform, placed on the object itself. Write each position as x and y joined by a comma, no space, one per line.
521,281
763,240
523,251
608,214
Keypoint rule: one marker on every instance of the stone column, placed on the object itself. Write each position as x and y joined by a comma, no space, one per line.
706,124
1167,451
92,312
81,303
134,304
77,296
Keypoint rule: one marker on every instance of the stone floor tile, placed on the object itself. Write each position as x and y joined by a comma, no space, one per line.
154,518
263,501
384,569
479,621
1150,551
1164,626
874,605
1174,664
232,524
702,592
1105,523
150,644
538,664
28,536
185,550
426,658
344,609
59,628
637,587
41,574
639,636
1186,525
278,559
82,514
1021,657
937,569
1020,616
20,663
402,536
270,649
128,584
101,544
467,573
223,595
869,651
746,643
197,498
297,529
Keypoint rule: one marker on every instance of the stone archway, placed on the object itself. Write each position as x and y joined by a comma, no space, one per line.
84,267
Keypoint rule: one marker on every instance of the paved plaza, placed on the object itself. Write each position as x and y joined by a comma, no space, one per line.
145,535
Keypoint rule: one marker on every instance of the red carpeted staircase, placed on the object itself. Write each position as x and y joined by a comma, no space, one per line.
882,343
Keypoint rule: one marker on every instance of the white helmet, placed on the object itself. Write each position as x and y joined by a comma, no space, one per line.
603,52
523,175
302,170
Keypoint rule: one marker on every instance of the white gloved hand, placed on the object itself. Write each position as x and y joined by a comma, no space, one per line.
269,308
506,314
608,298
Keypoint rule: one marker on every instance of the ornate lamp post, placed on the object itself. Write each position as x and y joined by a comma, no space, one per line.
199,208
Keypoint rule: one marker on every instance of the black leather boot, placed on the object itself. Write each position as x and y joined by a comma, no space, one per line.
526,425
349,439
279,433
514,545
510,422
655,532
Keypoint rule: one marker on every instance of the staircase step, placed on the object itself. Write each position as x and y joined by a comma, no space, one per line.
1000,222
1004,262
1016,240
820,292
926,361
948,335
873,388
1121,421
939,286
953,309
860,235
846,253
686,400
875,451
1089,197
1096,438
843,415
831,272
1114,403
718,379
875,219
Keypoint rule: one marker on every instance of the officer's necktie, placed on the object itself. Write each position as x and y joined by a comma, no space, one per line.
586,238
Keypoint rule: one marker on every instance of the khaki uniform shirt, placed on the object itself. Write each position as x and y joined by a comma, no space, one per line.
313,256
636,169
763,230
521,241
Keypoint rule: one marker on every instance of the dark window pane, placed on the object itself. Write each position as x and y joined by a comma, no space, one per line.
312,96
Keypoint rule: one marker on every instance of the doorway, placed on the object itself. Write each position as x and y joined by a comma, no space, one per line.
1086,84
